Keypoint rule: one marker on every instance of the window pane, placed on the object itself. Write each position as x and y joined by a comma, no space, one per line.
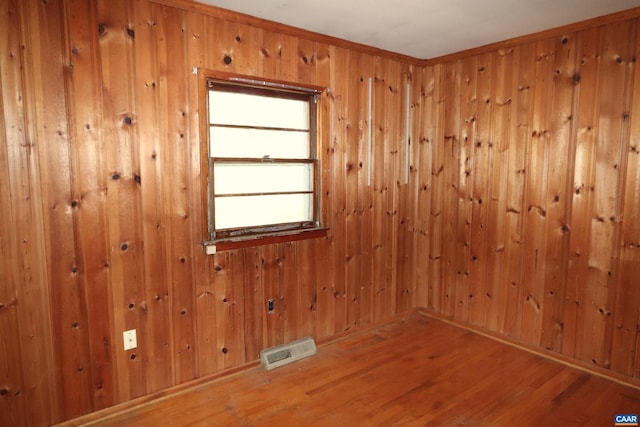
238,178
258,143
250,211
241,109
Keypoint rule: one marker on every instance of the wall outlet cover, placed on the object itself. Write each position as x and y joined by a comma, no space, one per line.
130,339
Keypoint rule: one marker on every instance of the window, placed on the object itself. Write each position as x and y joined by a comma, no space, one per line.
263,167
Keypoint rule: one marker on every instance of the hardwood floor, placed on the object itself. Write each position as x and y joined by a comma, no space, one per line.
417,371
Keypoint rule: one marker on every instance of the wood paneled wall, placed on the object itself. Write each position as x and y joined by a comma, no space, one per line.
536,166
518,216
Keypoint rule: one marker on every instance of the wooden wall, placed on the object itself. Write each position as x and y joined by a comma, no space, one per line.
536,162
518,216
102,215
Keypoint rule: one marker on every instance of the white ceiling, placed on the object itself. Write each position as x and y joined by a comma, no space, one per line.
425,28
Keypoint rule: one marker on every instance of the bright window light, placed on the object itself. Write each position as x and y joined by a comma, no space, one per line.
263,169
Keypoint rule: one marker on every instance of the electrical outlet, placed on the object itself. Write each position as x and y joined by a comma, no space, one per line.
130,340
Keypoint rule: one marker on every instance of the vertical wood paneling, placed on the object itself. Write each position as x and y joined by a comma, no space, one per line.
196,45
230,346
272,264
627,310
502,112
583,187
310,59
520,131
627,58
548,178
254,301
599,284
442,80
448,173
51,138
483,222
430,133
28,395
14,403
156,338
335,295
405,190
123,191
89,202
355,135
416,198
518,216
211,321
386,126
323,297
463,262
176,144
481,153
293,286
365,193
535,199
561,165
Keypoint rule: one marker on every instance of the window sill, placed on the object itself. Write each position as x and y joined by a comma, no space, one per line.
213,246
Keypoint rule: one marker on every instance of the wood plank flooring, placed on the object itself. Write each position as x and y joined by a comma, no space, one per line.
417,371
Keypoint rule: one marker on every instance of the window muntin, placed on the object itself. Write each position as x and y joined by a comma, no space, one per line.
262,160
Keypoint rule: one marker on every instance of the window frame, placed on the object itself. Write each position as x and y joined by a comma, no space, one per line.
264,234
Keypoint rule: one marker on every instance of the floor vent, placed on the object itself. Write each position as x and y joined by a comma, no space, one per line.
287,353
